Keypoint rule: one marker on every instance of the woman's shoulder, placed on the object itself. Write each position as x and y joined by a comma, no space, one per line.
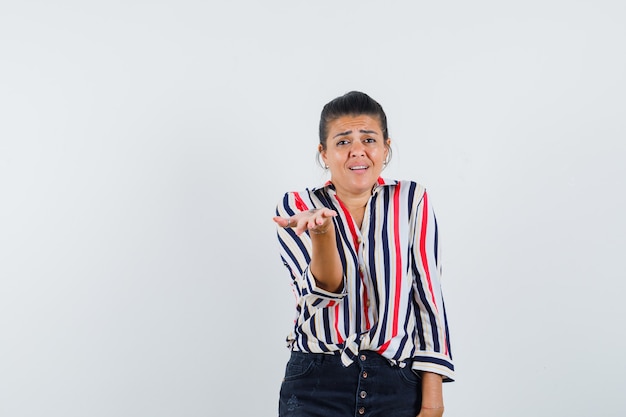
301,200
404,184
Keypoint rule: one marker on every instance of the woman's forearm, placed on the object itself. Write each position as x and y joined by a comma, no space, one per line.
325,262
432,394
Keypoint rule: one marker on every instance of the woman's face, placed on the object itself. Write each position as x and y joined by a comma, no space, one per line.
355,153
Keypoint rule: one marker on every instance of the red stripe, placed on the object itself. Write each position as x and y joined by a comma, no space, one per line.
396,238
332,303
339,338
355,237
384,347
423,254
424,257
300,205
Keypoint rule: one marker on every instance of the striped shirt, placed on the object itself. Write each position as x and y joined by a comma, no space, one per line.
391,300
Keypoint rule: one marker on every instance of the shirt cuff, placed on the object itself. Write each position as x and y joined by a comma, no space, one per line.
315,294
435,363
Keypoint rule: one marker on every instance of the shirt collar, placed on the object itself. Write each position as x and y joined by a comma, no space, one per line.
381,182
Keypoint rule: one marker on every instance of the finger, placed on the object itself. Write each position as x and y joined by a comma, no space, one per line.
329,213
279,221
283,222
326,214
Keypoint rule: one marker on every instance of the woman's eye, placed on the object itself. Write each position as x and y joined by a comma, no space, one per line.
369,140
343,142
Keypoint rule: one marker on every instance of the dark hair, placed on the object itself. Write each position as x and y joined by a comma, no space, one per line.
354,103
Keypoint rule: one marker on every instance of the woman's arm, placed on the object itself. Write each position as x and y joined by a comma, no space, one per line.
432,395
325,262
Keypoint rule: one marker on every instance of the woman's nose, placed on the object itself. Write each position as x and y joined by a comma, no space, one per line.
357,149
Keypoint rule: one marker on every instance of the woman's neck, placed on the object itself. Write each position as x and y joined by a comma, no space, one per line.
355,205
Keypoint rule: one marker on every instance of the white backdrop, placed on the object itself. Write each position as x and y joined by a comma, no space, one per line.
144,146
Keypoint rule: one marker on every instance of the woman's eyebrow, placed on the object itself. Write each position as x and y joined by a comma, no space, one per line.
347,132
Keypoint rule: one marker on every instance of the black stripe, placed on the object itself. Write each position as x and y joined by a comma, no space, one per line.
429,311
386,265
290,254
372,256
436,241
341,237
405,338
326,324
445,320
411,196
438,361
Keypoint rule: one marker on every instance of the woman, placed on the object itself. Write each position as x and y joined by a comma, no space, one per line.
370,335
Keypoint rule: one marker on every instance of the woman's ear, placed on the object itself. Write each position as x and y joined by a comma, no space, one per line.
322,152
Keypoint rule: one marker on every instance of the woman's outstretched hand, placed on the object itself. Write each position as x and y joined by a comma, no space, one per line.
317,221
325,264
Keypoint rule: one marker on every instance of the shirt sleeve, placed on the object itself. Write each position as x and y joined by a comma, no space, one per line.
295,252
432,337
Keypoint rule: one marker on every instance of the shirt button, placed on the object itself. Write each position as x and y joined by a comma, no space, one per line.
363,394
367,303
362,410
363,357
364,375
